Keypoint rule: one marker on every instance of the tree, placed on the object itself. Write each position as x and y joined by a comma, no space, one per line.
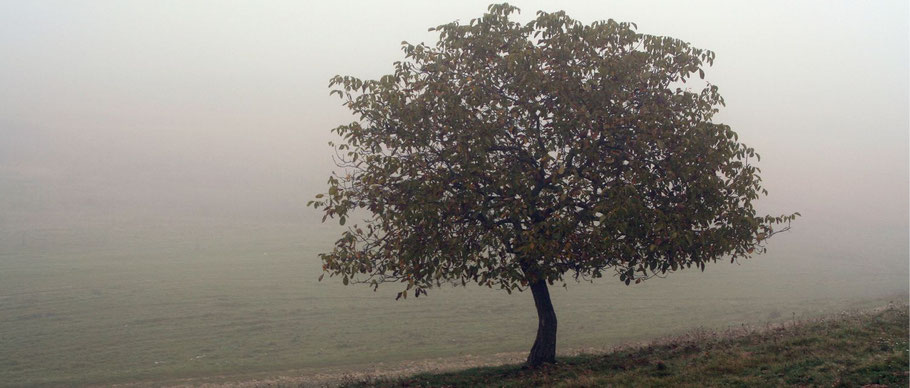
522,155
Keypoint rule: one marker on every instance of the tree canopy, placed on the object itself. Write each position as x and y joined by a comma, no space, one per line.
509,153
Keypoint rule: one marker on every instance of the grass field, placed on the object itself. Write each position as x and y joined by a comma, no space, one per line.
183,300
849,350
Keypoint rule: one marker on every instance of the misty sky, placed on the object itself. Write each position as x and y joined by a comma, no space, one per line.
205,108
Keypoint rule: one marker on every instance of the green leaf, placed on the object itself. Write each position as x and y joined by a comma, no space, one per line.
459,158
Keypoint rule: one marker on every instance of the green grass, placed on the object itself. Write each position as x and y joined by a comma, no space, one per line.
182,299
849,350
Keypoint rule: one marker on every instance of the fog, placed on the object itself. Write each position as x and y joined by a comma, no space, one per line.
138,111
138,115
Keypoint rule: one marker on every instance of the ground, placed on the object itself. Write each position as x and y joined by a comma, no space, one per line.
868,348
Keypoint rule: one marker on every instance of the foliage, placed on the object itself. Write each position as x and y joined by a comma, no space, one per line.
512,152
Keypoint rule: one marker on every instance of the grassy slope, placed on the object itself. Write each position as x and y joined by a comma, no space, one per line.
846,350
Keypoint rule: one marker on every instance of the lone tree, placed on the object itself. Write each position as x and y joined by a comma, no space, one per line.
521,155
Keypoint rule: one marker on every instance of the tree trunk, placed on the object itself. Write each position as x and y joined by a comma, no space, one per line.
544,349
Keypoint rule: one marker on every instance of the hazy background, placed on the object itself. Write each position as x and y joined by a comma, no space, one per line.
138,111
153,127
